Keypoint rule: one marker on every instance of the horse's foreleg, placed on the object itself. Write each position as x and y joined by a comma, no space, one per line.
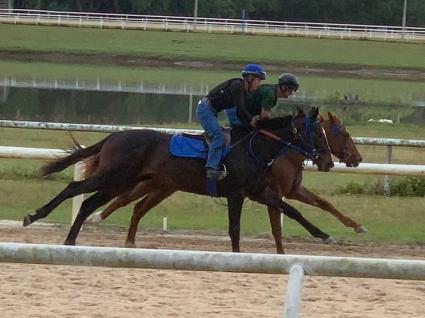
269,198
72,189
234,209
141,208
306,196
274,216
87,207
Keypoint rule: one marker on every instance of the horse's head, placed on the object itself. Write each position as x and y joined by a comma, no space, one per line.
310,137
340,141
302,133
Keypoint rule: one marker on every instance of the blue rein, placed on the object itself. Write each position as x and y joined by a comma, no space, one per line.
312,154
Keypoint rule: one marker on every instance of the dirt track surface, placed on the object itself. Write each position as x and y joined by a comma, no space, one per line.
339,70
65,291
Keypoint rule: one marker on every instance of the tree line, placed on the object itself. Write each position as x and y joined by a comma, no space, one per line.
383,12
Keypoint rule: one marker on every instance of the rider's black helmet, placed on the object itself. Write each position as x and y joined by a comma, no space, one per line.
289,80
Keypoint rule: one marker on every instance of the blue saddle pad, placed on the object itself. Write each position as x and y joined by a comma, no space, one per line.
182,146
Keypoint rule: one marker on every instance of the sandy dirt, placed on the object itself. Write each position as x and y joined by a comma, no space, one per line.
65,291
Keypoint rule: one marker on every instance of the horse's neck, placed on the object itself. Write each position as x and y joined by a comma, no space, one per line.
295,158
271,147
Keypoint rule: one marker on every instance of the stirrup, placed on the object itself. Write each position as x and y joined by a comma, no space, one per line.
216,174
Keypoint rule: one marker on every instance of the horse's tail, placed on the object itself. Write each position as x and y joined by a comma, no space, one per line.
75,156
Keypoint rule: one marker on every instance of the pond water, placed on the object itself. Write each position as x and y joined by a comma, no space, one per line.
157,103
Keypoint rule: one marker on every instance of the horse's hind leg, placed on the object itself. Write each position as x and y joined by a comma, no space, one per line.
137,192
141,208
306,196
72,189
269,198
87,207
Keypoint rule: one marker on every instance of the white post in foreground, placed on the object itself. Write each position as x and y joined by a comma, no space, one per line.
77,200
293,292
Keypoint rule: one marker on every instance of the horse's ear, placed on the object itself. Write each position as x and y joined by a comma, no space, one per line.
300,111
321,118
314,112
331,117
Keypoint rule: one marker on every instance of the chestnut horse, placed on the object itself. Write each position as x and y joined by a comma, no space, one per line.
286,177
141,157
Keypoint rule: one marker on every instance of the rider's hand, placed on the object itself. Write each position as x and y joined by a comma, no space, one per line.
254,120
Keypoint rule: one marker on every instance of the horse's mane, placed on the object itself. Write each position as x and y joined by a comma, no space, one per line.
274,123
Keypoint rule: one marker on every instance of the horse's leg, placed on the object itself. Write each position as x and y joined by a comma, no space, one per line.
137,192
269,198
274,216
306,196
234,209
87,207
72,189
141,208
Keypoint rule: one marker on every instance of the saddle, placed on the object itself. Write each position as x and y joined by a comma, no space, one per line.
195,145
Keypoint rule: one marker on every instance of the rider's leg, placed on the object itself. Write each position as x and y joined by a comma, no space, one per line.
207,116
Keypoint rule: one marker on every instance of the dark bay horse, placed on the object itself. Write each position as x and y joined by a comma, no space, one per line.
141,158
286,178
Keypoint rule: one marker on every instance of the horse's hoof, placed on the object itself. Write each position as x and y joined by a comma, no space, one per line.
130,244
69,243
329,240
95,218
27,220
360,229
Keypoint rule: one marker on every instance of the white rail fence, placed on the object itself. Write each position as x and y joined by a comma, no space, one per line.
294,265
106,86
212,25
363,168
112,128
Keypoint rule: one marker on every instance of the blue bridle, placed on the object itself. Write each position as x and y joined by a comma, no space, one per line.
308,153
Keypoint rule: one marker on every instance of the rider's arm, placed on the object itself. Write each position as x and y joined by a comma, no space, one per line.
268,101
239,95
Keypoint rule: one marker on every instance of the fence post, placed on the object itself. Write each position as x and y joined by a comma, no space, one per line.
387,178
190,108
293,292
77,200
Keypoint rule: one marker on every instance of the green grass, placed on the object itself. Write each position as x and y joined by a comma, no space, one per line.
239,48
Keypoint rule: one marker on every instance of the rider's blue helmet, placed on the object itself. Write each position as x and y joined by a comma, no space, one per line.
254,69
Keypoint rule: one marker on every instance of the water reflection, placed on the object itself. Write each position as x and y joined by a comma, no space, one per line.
101,102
